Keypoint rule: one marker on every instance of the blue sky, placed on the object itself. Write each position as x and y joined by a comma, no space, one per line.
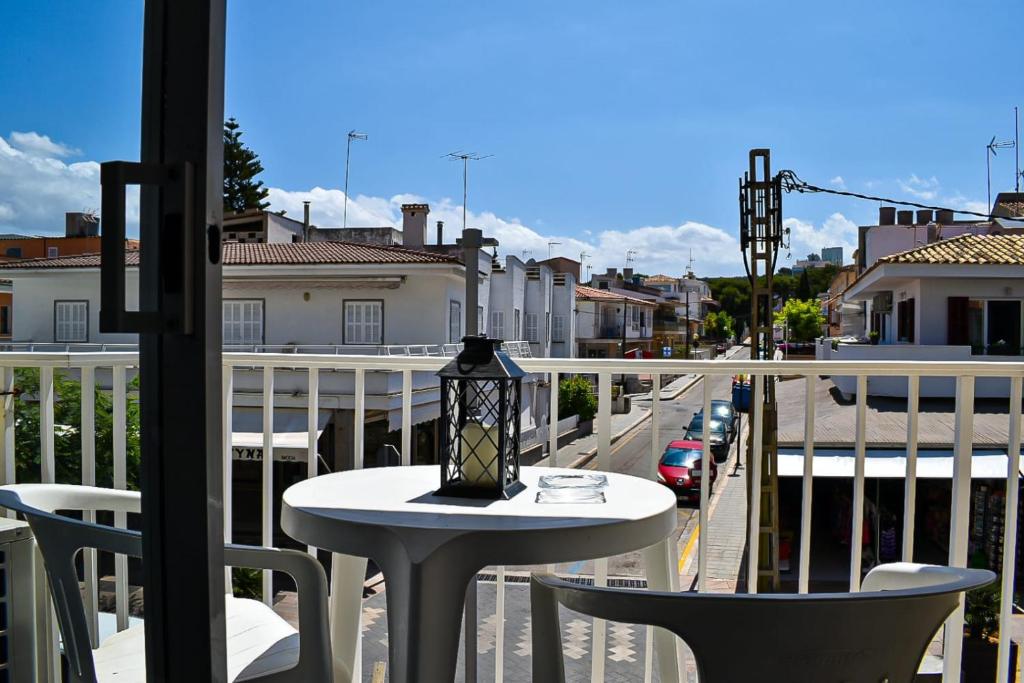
613,125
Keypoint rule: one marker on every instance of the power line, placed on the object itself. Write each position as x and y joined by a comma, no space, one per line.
791,182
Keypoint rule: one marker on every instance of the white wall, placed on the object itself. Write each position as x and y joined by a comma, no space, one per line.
508,293
538,302
884,240
563,303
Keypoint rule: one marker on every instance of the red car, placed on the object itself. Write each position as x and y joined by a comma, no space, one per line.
680,468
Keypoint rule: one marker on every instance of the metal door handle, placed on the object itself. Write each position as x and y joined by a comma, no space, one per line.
170,242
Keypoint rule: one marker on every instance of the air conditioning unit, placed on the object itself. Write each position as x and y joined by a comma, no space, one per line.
17,602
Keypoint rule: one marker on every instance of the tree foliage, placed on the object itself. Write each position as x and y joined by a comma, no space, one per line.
733,293
803,317
719,325
575,397
242,191
803,289
67,434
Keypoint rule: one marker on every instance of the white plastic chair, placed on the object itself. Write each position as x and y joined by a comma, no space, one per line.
260,644
879,634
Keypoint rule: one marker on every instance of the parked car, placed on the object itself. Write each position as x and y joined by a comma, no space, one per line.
721,347
679,468
718,435
724,410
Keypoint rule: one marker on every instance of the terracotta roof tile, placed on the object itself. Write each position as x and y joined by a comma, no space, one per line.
966,250
298,253
590,294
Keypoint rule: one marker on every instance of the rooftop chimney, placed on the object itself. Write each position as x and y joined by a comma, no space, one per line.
414,225
924,216
904,217
627,274
440,233
944,217
611,272
305,221
887,215
79,224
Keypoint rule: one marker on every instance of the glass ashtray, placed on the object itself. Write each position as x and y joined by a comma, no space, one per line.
573,481
570,495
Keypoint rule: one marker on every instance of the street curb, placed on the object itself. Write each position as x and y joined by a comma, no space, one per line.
589,455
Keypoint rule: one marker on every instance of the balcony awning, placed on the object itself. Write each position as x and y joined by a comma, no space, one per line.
420,413
290,433
891,463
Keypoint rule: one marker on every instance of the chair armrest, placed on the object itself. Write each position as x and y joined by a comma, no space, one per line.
911,575
311,584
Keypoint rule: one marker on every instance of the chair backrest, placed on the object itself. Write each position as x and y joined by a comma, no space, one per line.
60,539
820,637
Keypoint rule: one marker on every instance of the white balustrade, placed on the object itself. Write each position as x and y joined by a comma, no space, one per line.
91,368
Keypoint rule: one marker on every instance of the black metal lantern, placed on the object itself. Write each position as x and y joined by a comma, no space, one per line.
481,392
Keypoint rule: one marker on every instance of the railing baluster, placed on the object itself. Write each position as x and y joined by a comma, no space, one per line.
7,427
499,626
857,511
406,417
553,422
910,480
600,626
46,448
120,424
959,519
88,434
267,511
357,417
227,426
754,472
604,461
705,490
1009,531
655,424
312,427
808,485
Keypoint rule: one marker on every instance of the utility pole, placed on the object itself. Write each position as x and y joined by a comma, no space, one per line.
352,135
465,158
761,232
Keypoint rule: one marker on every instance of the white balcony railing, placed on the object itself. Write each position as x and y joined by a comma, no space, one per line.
114,367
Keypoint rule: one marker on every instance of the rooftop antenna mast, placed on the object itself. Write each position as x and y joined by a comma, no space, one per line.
689,265
1016,149
352,135
630,255
990,151
465,157
583,257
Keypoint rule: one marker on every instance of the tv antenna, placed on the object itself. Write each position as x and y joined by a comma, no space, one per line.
465,158
990,151
352,135
527,253
552,243
630,255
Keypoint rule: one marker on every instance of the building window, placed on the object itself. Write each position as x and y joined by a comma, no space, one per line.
516,336
364,322
558,329
243,321
52,252
71,321
531,327
497,324
13,252
5,321
454,321
635,318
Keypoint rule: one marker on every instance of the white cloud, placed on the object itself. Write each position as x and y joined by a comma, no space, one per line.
836,231
36,190
658,249
921,188
838,182
41,145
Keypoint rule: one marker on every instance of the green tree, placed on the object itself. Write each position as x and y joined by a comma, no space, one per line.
803,289
719,325
576,397
803,317
67,439
242,191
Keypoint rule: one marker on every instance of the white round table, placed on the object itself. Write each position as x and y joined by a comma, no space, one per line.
430,547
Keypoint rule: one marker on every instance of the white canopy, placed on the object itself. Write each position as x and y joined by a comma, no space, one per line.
290,433
891,463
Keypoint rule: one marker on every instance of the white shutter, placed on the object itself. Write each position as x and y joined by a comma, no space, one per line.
71,321
364,322
497,324
558,328
531,327
243,321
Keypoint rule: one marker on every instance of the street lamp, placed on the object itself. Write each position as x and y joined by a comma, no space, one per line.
352,135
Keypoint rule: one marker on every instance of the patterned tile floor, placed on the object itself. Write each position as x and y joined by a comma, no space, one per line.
624,648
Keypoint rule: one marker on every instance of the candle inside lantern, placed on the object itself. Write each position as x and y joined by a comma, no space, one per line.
479,450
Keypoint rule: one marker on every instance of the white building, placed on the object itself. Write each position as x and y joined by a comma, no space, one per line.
606,320
956,299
